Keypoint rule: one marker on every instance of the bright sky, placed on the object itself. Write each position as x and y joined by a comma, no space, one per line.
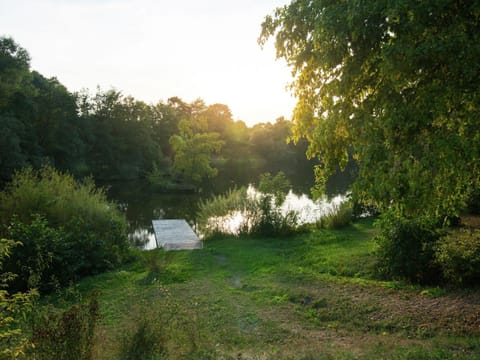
156,49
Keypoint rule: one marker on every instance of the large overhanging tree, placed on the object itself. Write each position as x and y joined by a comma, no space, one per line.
395,84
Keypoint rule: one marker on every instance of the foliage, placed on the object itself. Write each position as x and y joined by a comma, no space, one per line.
458,254
120,135
14,64
406,248
115,137
395,85
278,186
193,150
69,229
42,261
218,209
13,308
339,216
267,219
246,212
158,177
65,335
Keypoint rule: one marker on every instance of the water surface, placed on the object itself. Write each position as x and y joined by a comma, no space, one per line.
141,204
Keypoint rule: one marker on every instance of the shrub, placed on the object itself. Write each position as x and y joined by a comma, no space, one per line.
36,260
458,254
70,224
405,248
13,307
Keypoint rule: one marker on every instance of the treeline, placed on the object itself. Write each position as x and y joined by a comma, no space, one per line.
116,137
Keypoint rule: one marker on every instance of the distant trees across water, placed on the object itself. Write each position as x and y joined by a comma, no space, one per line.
116,137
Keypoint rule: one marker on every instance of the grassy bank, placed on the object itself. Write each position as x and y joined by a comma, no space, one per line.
310,296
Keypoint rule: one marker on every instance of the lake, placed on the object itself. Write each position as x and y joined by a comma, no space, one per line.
141,205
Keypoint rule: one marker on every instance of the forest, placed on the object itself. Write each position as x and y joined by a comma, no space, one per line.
111,136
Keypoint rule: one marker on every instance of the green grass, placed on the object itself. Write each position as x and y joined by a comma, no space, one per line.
310,296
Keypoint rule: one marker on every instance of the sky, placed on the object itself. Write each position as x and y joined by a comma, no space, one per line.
157,49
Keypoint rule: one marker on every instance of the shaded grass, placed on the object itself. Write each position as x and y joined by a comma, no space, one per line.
310,296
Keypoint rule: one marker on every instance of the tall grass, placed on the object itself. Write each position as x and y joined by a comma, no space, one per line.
241,212
339,216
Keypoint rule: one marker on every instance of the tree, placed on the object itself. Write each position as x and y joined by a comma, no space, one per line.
14,75
12,155
237,153
395,84
193,151
120,135
218,117
14,69
54,120
166,118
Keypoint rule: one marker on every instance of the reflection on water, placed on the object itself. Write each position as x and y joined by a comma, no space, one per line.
307,211
310,211
143,239
141,205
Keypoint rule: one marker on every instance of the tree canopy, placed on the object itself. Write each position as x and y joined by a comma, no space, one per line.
115,137
395,84
193,149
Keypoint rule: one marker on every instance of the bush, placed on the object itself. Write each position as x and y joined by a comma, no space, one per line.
458,254
13,308
68,224
37,260
405,249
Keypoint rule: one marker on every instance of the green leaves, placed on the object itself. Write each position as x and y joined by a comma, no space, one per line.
13,307
193,152
395,84
68,229
277,185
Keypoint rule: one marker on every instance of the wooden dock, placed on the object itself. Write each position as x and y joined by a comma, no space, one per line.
175,235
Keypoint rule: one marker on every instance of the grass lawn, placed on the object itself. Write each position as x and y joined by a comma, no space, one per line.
310,296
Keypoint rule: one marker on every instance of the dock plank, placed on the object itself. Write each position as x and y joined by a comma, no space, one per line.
175,234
